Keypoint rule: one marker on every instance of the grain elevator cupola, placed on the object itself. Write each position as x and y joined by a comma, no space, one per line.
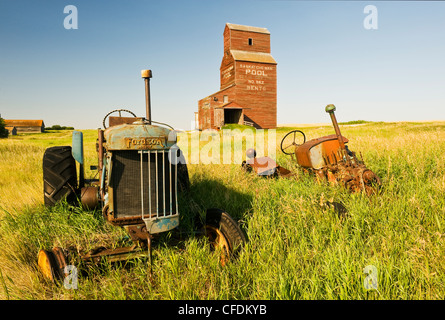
248,82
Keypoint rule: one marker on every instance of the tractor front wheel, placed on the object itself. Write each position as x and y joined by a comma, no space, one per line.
52,264
224,234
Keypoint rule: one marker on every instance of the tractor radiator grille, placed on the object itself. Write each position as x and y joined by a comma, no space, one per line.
144,184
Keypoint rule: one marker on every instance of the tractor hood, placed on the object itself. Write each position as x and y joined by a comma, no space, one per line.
138,136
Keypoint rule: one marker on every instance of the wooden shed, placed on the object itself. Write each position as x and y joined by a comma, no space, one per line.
248,82
26,126
12,130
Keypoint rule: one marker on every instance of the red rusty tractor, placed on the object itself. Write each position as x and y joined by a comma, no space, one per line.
328,158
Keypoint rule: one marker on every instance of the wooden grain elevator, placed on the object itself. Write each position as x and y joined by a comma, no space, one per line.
248,82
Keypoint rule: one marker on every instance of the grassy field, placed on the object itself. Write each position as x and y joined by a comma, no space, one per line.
295,250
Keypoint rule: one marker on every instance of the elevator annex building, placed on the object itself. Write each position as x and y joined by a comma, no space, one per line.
248,89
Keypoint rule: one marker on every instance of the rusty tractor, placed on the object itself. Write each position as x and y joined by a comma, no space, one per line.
142,173
328,158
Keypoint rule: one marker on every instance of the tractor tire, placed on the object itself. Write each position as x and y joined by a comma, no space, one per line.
224,233
59,176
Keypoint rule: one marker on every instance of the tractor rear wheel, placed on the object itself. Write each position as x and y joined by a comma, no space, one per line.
59,175
224,234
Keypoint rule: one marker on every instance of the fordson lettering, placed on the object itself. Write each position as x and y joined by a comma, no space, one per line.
143,143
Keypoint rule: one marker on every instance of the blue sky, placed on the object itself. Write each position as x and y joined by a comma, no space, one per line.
324,55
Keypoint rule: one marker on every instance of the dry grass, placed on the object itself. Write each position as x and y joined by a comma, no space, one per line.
295,250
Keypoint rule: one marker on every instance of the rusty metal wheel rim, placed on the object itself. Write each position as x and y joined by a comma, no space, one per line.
52,263
45,261
218,242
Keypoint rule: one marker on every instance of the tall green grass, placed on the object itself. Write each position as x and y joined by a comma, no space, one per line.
296,249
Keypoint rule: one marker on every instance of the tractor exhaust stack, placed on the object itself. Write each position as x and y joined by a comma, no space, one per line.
330,108
146,75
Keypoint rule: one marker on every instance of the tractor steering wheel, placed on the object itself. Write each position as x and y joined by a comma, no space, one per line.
117,110
289,141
